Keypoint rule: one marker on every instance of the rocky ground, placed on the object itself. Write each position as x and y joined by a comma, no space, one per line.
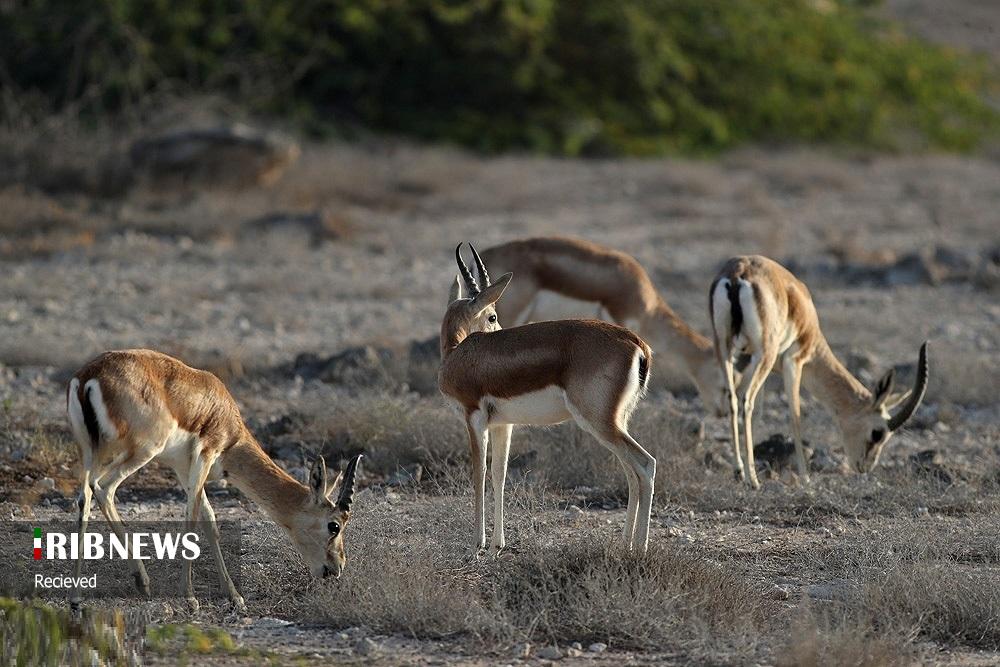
314,299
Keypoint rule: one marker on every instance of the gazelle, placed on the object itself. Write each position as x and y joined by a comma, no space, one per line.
563,277
545,373
758,307
127,408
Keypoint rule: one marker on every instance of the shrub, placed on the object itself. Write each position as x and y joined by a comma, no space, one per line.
570,77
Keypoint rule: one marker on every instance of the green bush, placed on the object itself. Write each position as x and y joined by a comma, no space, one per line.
562,76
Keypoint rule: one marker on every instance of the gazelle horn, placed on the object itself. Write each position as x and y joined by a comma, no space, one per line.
919,387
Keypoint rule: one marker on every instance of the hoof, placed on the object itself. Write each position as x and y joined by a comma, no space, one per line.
141,583
193,604
239,606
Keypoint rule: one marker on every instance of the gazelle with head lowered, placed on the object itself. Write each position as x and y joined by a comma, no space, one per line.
130,407
563,277
544,373
759,308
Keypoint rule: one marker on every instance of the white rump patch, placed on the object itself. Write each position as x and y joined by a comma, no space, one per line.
633,391
92,390
721,315
545,406
752,330
75,411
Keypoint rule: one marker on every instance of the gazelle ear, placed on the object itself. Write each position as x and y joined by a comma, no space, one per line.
893,401
456,290
317,479
492,294
883,388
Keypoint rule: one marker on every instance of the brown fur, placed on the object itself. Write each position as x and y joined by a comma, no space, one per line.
516,361
586,271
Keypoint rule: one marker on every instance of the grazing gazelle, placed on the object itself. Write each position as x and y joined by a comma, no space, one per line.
563,277
758,307
129,407
590,371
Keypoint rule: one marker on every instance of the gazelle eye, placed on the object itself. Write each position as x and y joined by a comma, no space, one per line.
877,435
493,319
333,527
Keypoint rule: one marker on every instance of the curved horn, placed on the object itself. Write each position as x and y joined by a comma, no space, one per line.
470,282
905,412
347,487
483,273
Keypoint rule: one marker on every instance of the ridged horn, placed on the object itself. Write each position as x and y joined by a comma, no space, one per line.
483,273
347,487
463,268
919,387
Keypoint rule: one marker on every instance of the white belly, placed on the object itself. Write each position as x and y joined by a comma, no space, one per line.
545,406
554,306
178,452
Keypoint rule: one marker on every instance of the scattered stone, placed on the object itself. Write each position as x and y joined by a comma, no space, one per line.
598,647
835,589
235,156
271,622
572,652
47,483
928,464
405,476
522,650
577,645
363,366
549,653
778,453
365,646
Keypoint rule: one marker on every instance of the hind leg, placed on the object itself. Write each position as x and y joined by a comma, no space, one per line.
104,493
86,494
753,379
500,443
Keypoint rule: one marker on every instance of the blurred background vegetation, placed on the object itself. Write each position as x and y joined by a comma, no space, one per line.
568,77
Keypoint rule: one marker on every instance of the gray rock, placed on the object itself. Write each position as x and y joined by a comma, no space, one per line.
363,366
522,650
549,653
405,476
597,647
47,483
365,646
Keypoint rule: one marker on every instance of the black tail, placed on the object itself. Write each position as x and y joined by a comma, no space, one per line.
735,310
90,418
643,372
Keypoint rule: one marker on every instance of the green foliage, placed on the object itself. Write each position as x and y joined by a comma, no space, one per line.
39,634
562,76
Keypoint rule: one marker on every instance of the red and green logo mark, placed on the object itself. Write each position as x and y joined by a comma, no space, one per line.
38,544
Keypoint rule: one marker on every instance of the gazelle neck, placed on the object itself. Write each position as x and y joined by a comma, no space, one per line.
263,481
830,381
669,335
451,337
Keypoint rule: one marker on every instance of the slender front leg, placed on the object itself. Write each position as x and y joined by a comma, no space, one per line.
792,371
213,539
478,441
500,443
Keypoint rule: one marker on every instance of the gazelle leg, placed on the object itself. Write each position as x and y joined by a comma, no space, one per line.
213,538
104,493
753,379
734,416
792,371
478,441
81,526
633,501
644,466
500,446
195,489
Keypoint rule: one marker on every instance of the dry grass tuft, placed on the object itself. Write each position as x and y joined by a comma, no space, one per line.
592,591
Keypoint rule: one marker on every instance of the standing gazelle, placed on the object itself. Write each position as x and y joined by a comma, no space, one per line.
129,407
561,277
544,373
758,307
